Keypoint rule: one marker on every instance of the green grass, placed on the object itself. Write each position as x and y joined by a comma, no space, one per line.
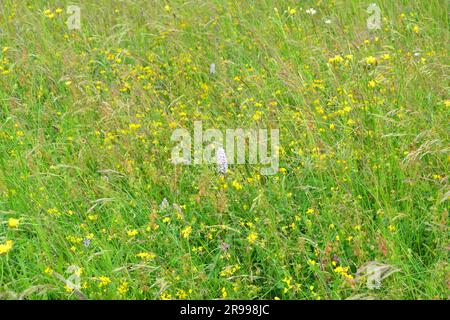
85,123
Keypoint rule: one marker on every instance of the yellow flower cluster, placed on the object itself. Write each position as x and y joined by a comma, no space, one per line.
146,255
343,271
6,247
252,237
103,281
228,271
186,232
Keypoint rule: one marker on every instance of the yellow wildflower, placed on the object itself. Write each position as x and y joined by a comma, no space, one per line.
371,60
343,271
252,237
185,233
166,296
182,295
13,223
132,233
134,126
236,185
104,281
146,255
224,293
336,59
6,247
312,262
123,288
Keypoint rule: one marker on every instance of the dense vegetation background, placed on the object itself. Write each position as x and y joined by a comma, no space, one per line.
85,123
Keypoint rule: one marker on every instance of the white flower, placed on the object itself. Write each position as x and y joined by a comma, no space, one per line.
311,11
221,161
164,205
328,21
212,68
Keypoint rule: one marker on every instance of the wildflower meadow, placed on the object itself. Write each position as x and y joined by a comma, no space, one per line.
255,149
